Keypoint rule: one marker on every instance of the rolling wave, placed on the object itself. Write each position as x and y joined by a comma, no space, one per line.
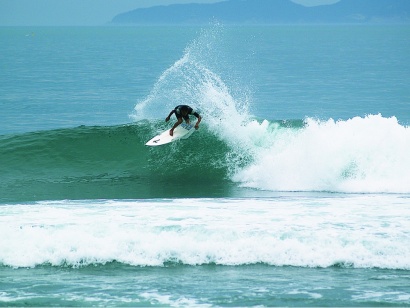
360,155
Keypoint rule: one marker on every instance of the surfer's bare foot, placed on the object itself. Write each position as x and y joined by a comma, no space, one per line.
171,133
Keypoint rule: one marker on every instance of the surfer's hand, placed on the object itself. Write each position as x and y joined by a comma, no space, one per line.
166,120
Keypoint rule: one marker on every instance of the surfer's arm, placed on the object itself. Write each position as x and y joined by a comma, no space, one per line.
199,120
169,116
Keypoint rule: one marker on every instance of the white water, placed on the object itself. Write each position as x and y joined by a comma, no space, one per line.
363,155
321,231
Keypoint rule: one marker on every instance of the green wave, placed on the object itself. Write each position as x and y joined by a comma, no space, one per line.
107,162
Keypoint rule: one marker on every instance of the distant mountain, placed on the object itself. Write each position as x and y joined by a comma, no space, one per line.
271,12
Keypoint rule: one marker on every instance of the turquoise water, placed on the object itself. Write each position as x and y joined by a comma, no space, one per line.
294,191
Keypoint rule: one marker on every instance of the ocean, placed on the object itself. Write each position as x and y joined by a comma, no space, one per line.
295,190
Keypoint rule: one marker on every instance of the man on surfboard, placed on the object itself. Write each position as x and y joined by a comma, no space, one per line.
183,112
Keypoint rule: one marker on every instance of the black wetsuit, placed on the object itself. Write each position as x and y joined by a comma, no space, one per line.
179,115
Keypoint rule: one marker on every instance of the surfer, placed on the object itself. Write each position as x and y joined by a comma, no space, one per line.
183,111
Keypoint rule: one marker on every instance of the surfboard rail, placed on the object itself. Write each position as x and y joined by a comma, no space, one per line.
182,131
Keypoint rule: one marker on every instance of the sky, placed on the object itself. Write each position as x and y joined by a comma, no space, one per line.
85,12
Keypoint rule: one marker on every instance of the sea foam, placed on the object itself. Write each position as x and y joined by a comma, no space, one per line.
363,155
360,231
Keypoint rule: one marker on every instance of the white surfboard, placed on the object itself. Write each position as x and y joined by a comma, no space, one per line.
183,131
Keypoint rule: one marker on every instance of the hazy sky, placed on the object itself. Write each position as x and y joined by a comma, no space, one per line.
83,12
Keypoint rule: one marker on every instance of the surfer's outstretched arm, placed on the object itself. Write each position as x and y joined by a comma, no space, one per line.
169,116
199,120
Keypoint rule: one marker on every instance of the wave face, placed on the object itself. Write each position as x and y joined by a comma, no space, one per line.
108,162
